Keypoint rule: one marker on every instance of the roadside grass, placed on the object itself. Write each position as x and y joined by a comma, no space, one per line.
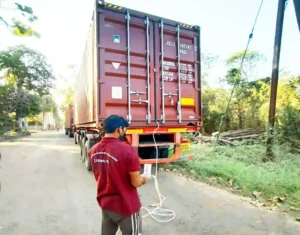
240,168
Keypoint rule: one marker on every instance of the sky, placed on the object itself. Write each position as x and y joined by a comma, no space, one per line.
225,27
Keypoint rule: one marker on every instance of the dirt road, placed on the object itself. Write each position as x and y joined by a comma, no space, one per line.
46,190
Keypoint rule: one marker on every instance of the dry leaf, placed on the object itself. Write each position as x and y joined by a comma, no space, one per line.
282,199
174,170
256,194
230,182
270,203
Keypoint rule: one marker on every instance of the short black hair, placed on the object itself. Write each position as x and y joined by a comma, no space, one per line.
112,122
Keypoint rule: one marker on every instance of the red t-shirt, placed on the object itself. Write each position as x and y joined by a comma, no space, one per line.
112,160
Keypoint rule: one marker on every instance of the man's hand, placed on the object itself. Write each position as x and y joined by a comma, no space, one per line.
137,179
146,179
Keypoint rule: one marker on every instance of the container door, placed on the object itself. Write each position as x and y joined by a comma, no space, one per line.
127,87
178,90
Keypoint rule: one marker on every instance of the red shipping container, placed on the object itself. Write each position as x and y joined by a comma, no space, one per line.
130,68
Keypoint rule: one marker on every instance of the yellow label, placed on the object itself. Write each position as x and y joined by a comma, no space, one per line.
134,131
177,130
187,101
185,146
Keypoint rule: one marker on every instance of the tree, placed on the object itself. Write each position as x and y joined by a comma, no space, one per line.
27,68
49,111
48,104
17,26
207,62
34,105
5,108
250,63
238,77
17,101
66,86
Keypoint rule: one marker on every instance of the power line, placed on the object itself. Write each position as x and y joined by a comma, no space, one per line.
240,69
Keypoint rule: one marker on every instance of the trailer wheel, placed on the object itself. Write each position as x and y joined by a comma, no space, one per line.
75,138
82,144
71,135
87,147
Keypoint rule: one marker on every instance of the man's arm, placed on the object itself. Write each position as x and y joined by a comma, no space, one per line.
133,168
137,179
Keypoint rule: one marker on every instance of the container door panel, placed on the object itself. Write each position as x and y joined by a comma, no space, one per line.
125,81
178,98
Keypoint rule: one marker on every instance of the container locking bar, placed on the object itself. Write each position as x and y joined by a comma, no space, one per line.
129,117
170,94
137,92
179,77
163,115
148,117
140,101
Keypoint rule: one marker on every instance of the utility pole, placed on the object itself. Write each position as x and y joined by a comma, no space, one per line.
274,83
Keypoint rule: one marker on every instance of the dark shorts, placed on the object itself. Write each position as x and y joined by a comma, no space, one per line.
129,225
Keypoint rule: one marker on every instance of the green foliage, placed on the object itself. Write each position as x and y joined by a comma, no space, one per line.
48,104
18,101
214,105
250,64
27,69
243,165
207,62
249,107
18,26
5,121
34,105
69,92
66,86
22,30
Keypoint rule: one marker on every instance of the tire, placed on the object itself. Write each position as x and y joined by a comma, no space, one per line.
75,138
71,135
82,144
87,163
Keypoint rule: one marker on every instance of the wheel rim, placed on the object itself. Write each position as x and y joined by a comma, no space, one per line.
84,155
86,158
82,150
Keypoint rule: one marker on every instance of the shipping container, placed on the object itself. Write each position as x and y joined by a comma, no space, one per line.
146,69
69,121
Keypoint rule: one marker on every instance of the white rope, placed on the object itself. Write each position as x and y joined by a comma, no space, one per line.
158,213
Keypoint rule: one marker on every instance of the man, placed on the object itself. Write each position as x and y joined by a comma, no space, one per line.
117,171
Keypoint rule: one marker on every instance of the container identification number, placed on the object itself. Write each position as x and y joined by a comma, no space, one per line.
184,48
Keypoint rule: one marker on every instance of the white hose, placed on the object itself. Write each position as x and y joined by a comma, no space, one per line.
158,213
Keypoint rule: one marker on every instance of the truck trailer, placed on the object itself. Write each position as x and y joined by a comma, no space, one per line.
69,121
146,69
